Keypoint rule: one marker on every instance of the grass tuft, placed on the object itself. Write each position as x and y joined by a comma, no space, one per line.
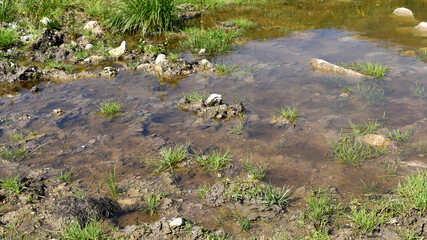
152,201
366,220
169,158
110,109
73,231
8,37
419,91
65,176
215,41
374,70
11,184
258,170
321,209
193,96
224,70
348,151
214,160
144,16
398,136
291,114
243,23
111,181
276,196
414,191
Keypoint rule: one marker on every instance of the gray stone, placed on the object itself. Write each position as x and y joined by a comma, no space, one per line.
324,66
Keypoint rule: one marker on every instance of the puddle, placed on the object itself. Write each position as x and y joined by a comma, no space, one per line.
272,71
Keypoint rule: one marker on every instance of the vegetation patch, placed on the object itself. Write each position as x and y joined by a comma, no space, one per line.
214,160
152,201
109,109
193,96
419,91
144,16
243,23
169,158
11,184
8,38
289,113
374,70
73,231
215,41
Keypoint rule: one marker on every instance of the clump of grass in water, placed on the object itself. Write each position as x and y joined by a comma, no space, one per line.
152,201
422,54
110,109
367,68
11,184
349,151
366,220
203,189
243,23
144,16
291,114
237,129
398,136
14,153
224,70
65,176
360,129
215,41
8,37
193,96
214,160
258,171
111,181
169,158
419,91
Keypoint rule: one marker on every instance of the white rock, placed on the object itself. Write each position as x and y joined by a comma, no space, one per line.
117,52
205,63
321,65
422,26
87,61
94,27
89,46
73,44
161,58
403,12
213,99
177,222
45,21
25,38
202,51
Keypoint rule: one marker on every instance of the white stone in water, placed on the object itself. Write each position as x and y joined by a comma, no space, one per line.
205,63
177,222
45,21
161,58
117,52
422,26
202,51
403,12
213,99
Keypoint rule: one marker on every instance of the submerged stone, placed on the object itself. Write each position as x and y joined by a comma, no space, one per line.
324,66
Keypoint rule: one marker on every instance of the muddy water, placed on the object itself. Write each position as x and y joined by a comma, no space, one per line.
272,71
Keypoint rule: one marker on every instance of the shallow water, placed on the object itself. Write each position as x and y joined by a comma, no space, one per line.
272,71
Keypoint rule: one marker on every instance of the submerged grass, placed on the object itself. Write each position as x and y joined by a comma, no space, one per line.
360,129
289,113
349,151
276,196
144,16
193,96
215,41
399,136
257,170
414,191
214,160
224,70
243,23
152,201
111,181
419,91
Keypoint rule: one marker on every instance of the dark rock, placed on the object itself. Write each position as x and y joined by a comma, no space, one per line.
70,207
48,39
12,73
188,15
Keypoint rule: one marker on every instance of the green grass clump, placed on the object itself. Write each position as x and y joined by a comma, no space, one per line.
152,201
193,96
366,220
374,70
237,129
12,184
276,196
349,151
169,158
65,176
73,231
8,10
214,160
203,189
215,41
110,109
419,91
243,23
414,191
421,54
224,70
258,170
360,129
398,136
321,209
14,153
144,16
111,181
8,38
291,114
